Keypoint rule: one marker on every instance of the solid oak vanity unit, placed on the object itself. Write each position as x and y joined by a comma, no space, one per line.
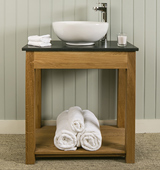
118,141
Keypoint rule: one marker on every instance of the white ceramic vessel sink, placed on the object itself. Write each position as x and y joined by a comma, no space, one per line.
80,32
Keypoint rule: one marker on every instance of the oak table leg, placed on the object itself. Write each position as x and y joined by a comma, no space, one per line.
121,99
30,116
38,98
130,110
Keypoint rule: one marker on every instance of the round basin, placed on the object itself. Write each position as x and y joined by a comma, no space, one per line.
80,32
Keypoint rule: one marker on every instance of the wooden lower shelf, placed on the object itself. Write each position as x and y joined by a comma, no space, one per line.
113,144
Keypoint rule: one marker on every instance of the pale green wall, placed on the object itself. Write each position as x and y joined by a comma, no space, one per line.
91,89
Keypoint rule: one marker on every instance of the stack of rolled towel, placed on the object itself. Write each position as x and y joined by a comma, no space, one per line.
40,41
77,128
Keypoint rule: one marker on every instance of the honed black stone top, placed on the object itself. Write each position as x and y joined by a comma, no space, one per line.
99,46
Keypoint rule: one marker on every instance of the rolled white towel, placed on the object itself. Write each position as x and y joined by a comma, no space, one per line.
75,119
91,138
39,44
65,137
43,38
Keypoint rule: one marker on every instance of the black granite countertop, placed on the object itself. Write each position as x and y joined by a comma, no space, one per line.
99,46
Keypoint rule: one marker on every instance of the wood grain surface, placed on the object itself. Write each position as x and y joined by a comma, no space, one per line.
80,60
30,116
130,112
38,98
113,144
121,98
